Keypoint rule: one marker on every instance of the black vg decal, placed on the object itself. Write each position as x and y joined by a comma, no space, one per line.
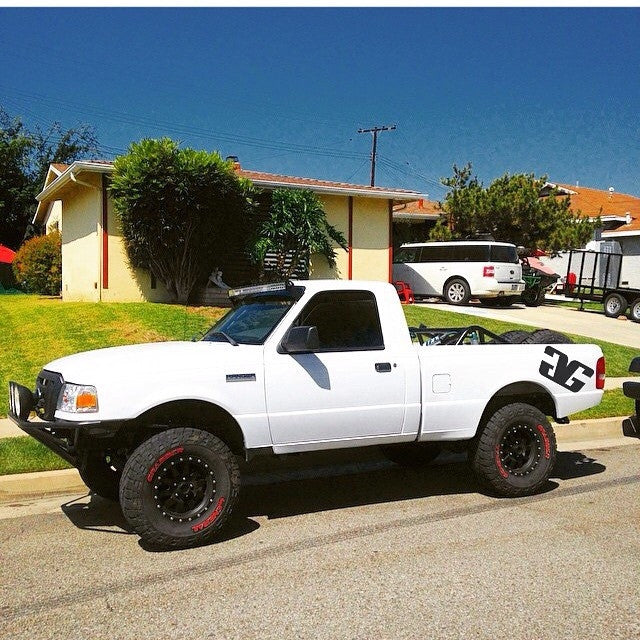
563,372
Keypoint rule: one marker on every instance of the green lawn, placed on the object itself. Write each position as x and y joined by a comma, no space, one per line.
24,454
35,330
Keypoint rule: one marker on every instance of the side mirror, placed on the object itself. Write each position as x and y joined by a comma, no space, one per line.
301,340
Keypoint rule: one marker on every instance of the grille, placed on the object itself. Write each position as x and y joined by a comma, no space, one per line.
48,388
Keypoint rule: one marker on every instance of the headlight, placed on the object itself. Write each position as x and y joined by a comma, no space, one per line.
78,398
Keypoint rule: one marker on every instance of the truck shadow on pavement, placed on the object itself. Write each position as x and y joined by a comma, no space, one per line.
280,489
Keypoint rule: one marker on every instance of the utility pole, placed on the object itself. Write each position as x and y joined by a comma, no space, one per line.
374,147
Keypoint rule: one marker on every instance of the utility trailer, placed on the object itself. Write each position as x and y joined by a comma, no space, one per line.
595,276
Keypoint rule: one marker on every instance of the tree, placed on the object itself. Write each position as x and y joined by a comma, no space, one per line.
25,156
294,228
511,210
37,265
181,210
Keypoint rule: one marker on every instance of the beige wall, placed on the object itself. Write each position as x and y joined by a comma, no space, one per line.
53,221
82,246
125,283
370,239
336,209
81,209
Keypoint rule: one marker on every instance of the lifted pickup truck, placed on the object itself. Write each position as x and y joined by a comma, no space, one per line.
298,367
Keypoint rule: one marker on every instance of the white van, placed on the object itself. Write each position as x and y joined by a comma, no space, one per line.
461,270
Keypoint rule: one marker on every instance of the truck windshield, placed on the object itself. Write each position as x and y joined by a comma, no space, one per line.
252,320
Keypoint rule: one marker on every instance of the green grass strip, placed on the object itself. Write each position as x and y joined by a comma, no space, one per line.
23,454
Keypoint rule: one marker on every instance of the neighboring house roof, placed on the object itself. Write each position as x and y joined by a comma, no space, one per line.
620,212
6,255
418,210
259,178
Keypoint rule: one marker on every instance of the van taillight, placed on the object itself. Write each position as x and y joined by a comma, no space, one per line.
488,272
600,373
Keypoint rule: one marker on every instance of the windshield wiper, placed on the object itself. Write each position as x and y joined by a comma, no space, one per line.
226,336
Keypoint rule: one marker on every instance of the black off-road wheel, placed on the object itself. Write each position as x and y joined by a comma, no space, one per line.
412,454
102,475
178,488
514,453
634,310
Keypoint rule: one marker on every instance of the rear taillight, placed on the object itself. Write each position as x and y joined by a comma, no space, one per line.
600,373
488,272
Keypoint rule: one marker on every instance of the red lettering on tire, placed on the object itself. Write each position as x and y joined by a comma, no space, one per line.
161,460
210,518
545,441
501,470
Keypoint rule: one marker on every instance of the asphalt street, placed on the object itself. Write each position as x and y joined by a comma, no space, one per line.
345,549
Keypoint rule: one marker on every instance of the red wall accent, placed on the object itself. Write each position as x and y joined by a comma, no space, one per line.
390,240
105,235
350,239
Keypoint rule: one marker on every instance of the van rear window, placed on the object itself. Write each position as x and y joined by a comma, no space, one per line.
504,254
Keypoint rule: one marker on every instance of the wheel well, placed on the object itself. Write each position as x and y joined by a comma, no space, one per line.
525,392
194,413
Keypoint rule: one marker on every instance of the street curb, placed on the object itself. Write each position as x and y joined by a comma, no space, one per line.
40,483
582,434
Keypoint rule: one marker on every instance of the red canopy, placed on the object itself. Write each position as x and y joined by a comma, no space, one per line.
6,255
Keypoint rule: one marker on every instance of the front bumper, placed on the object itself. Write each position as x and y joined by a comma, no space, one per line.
64,437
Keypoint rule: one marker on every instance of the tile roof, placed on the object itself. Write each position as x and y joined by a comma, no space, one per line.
596,202
418,207
276,179
260,176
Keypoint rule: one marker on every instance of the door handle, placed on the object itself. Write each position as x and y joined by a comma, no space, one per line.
383,367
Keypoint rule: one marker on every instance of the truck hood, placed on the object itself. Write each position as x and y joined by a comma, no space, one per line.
142,363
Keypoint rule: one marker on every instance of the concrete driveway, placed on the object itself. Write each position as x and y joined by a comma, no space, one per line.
585,323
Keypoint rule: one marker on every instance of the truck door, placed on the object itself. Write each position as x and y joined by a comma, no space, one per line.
352,386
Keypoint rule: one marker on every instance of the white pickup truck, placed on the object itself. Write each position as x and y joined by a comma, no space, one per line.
297,367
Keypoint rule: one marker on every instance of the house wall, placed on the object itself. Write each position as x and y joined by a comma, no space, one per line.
125,284
80,248
370,235
336,209
371,239
53,221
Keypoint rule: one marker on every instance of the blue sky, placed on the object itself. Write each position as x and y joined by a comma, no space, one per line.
549,91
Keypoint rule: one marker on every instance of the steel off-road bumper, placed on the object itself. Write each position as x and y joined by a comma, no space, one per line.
631,426
64,437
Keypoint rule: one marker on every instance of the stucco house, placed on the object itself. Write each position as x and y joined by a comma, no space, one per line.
75,199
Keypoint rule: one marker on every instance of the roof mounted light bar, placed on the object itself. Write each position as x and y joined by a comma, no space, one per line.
261,288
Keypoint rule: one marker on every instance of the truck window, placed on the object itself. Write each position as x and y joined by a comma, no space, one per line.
252,320
346,320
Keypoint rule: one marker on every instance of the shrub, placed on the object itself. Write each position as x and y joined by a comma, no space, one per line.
37,265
